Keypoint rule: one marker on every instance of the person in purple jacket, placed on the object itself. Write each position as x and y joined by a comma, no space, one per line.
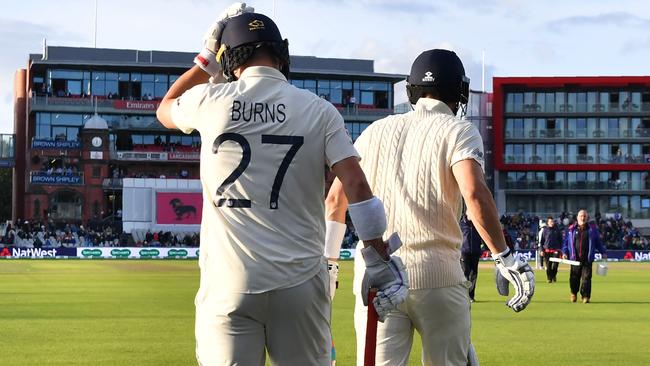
581,242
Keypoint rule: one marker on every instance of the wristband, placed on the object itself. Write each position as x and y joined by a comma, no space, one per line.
502,254
334,238
369,218
207,61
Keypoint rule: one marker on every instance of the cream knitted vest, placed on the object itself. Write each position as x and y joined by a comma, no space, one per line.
407,160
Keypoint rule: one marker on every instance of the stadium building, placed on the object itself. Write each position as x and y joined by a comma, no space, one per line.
564,143
88,145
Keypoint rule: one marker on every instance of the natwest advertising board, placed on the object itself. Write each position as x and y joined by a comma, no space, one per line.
178,208
14,252
138,105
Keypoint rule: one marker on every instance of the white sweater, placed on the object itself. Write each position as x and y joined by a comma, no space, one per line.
407,160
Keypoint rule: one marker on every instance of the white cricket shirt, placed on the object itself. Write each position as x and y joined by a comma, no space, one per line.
407,160
264,146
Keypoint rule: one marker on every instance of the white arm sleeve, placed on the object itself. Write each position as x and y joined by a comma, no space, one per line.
334,238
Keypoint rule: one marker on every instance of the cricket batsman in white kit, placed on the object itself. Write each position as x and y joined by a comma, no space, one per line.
422,164
264,280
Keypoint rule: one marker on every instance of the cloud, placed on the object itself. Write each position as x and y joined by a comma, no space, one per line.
617,19
412,7
420,7
17,40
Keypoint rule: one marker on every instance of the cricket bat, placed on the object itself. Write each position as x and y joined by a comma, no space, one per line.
371,331
564,261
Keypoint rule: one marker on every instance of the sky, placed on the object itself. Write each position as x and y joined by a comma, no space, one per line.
517,37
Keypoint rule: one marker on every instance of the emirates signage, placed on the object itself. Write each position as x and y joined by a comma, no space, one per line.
138,105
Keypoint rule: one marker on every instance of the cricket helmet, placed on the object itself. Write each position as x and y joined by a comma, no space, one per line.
245,33
440,72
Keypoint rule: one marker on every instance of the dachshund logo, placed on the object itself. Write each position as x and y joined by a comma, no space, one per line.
182,211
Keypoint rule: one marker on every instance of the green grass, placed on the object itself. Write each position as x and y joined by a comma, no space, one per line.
137,313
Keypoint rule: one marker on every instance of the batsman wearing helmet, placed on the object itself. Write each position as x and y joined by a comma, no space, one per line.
422,164
264,281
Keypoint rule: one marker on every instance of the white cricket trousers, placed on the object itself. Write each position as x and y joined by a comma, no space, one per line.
292,324
442,318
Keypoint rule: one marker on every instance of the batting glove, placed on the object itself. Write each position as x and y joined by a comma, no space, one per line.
333,270
503,286
389,277
520,275
207,58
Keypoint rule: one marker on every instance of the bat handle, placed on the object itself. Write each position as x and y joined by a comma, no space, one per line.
371,331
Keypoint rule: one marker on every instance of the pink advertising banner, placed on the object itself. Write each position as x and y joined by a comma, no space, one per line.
178,208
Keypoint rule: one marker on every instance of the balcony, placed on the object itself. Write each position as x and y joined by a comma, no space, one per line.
176,156
611,185
78,104
577,159
625,107
45,178
577,134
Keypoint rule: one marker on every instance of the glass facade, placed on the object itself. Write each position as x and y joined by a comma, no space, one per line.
577,153
574,125
590,101
103,84
370,94
577,128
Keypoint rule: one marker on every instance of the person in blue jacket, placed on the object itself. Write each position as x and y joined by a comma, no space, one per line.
581,243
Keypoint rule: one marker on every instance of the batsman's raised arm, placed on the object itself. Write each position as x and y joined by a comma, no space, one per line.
191,78
482,209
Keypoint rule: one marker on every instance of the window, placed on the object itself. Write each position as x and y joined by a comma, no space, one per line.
74,87
624,101
611,126
572,100
550,102
581,102
336,92
97,172
518,125
580,127
160,85
310,85
367,98
593,128
540,102
98,86
518,102
592,101
529,128
560,102
529,100
518,151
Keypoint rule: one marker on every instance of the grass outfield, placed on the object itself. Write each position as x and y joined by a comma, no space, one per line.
138,313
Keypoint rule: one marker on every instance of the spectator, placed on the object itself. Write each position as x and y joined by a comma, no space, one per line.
551,246
581,242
